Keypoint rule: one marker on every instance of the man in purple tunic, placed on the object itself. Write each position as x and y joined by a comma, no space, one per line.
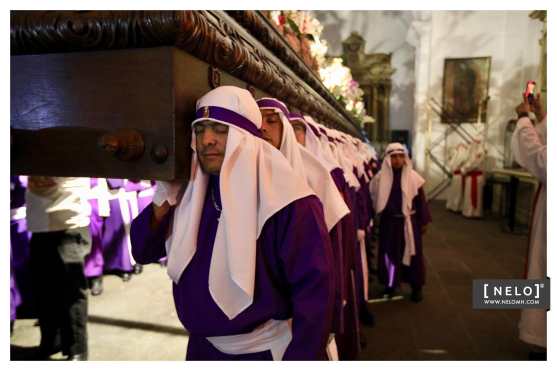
111,214
124,206
338,145
278,131
346,324
399,200
246,242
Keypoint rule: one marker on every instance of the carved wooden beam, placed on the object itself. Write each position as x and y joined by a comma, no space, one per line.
265,61
268,35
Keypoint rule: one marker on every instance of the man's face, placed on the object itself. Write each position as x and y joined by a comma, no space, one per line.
271,127
397,160
210,144
300,131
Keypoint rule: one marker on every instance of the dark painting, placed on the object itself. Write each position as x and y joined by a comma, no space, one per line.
465,90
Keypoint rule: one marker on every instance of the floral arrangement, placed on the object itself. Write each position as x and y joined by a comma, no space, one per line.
338,79
303,32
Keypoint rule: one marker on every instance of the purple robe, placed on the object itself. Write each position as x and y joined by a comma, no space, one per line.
358,207
94,261
361,197
293,280
142,200
116,250
337,248
348,335
391,239
21,292
15,298
367,215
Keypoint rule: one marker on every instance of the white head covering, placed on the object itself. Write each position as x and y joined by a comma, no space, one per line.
410,182
288,144
255,182
351,149
318,144
345,160
308,167
368,154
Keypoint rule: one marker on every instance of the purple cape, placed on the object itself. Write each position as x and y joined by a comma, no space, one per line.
293,279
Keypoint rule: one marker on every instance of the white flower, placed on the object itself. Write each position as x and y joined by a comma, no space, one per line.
275,15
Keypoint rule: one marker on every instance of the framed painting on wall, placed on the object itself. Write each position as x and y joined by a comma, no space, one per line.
465,90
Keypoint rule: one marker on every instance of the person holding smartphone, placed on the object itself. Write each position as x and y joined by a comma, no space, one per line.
529,147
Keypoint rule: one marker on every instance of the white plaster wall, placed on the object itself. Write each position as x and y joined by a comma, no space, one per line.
419,42
510,38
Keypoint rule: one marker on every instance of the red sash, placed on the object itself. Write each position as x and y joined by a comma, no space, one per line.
474,192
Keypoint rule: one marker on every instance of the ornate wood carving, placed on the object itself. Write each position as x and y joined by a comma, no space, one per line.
259,26
212,36
35,32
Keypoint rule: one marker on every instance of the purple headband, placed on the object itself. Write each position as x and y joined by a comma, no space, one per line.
292,116
272,103
225,115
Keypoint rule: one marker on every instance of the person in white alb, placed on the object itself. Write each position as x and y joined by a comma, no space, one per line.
474,180
456,189
529,147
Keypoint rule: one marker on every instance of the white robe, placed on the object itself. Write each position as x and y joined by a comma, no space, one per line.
530,151
456,190
474,164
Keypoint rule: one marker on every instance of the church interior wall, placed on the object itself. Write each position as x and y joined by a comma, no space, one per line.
420,41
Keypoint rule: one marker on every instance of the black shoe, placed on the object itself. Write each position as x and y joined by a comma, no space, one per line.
126,276
44,353
50,344
137,269
388,293
416,295
96,286
77,357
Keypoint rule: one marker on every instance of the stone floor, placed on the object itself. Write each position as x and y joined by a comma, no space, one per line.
444,326
136,320
129,321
